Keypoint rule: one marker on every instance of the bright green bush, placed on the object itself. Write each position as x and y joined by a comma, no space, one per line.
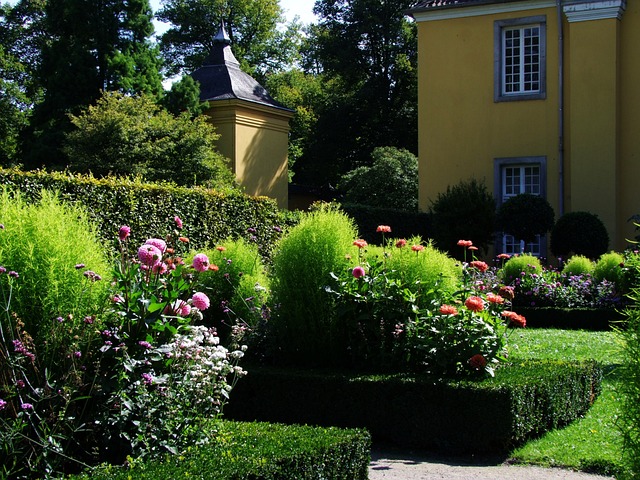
578,265
51,245
517,265
238,288
301,269
610,267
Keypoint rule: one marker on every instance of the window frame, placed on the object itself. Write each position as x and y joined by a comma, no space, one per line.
499,27
500,165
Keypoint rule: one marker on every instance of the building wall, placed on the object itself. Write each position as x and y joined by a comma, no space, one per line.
462,130
255,139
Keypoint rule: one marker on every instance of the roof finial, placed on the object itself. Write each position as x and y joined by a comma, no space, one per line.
221,36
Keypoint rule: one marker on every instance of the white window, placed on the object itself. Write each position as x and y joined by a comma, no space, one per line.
514,176
520,59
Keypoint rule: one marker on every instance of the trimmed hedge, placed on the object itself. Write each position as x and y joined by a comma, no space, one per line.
403,223
259,451
209,216
594,319
489,416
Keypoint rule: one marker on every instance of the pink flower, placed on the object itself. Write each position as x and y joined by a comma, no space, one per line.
124,232
158,243
401,243
159,268
448,310
504,256
358,272
180,308
475,304
200,262
383,229
507,292
3,404
149,255
465,243
200,301
483,267
178,221
477,362
417,248
360,243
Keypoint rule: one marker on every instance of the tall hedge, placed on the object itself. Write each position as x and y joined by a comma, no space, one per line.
208,215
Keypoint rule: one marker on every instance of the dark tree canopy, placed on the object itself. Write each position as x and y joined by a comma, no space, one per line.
524,216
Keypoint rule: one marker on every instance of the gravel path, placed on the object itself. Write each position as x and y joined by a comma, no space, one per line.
397,465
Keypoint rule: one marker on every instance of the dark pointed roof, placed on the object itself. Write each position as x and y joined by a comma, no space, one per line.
220,76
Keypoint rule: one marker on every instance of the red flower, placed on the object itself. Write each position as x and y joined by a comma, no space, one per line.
475,249
213,268
515,319
465,243
475,304
504,256
483,267
477,362
383,229
417,248
401,243
360,243
493,298
221,248
184,239
448,310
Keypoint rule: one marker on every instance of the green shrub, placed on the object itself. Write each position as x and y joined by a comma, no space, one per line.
301,269
517,265
51,245
493,415
211,215
465,210
578,265
524,216
403,223
610,267
260,451
239,289
580,233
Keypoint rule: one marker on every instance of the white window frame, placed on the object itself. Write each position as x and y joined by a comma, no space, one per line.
506,243
526,55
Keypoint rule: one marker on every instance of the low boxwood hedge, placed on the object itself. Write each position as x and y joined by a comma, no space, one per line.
488,416
594,319
259,451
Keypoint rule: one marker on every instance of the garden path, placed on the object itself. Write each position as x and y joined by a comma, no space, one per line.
399,465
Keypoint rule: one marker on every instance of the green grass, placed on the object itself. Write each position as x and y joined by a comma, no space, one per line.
592,443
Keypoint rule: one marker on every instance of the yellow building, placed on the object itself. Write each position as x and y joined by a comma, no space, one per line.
533,96
253,127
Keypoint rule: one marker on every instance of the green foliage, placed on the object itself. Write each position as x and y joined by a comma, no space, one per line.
184,95
238,288
578,265
464,211
516,266
522,401
125,135
260,450
524,216
403,223
301,268
252,25
610,267
110,202
50,245
580,233
390,182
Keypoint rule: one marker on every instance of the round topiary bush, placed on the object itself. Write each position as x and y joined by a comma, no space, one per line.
610,267
517,265
524,216
580,233
578,265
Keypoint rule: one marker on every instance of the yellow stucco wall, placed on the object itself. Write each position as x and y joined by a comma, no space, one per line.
255,139
462,129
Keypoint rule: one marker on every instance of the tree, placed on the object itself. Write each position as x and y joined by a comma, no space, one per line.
252,26
367,50
125,135
390,182
525,215
91,47
184,96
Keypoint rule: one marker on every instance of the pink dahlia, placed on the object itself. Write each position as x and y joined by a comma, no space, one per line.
158,243
149,255
475,304
200,262
200,301
124,232
358,272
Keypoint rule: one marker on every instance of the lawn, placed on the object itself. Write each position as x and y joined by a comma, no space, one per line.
592,443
